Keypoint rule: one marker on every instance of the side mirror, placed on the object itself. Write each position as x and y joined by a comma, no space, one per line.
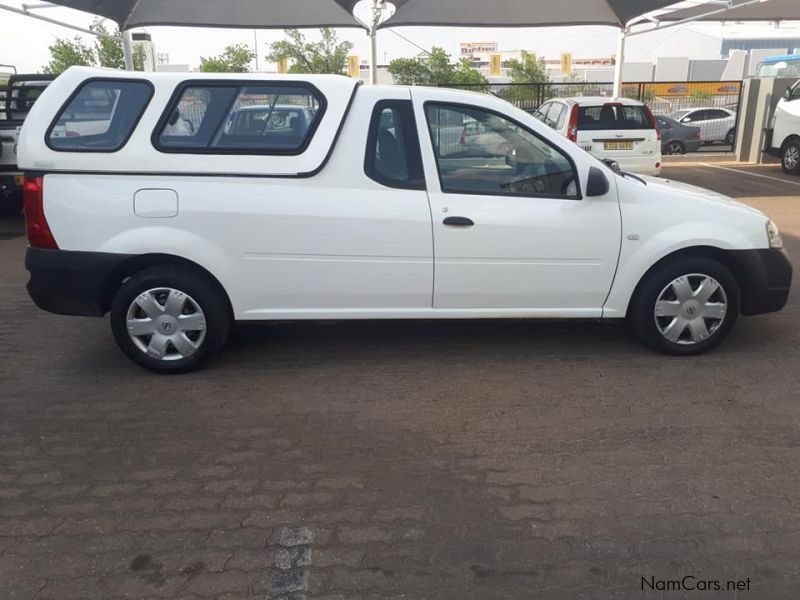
613,165
686,120
787,93
597,183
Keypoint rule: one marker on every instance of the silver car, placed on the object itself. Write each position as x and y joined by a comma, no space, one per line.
717,125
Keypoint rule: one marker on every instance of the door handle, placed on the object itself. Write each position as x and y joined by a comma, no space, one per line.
459,222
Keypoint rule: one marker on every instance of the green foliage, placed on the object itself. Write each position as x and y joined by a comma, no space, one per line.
527,70
108,48
65,53
435,69
107,51
326,56
700,95
234,59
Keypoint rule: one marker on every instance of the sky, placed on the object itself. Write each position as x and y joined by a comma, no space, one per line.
24,41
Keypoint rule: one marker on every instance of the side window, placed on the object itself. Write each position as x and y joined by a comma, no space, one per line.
698,115
100,116
223,118
557,115
392,155
716,114
541,112
505,159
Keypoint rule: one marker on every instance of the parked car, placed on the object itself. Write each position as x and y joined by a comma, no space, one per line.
717,125
17,96
784,140
784,65
366,216
677,138
619,129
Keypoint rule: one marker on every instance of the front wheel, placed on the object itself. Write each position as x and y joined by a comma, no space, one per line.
791,158
169,319
11,205
685,307
731,137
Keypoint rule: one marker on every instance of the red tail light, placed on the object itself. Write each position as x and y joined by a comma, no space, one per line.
653,121
572,128
39,234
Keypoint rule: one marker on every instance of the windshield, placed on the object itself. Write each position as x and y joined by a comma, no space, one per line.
613,116
679,114
784,68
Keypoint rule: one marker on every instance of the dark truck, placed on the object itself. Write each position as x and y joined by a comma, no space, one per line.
17,96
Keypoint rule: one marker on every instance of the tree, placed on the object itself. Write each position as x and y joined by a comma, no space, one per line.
139,56
326,56
65,52
527,70
234,59
108,47
435,69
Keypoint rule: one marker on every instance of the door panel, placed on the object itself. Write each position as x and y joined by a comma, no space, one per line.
531,246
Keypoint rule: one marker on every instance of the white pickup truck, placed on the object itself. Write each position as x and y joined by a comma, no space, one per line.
363,205
17,96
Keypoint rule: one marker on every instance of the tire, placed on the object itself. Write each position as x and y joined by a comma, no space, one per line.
790,157
190,319
11,206
675,147
679,320
730,138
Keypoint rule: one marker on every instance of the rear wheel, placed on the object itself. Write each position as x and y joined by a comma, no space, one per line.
685,307
676,147
170,319
791,157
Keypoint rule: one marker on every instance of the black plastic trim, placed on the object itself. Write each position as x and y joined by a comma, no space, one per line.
765,279
239,83
416,172
73,95
577,196
67,282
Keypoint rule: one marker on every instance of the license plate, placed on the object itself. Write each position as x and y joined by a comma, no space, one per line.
618,145
19,179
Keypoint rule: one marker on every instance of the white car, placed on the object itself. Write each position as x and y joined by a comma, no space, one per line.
785,138
617,129
367,212
717,125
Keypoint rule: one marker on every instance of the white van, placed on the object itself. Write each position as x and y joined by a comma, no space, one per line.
784,142
369,210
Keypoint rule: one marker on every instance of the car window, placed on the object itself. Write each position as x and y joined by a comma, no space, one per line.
224,118
613,116
392,156
506,159
663,123
716,114
554,115
542,111
100,116
560,116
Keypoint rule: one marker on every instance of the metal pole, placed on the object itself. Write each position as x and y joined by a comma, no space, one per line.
255,47
127,50
47,19
619,63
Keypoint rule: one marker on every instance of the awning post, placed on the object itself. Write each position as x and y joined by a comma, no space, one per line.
619,63
127,50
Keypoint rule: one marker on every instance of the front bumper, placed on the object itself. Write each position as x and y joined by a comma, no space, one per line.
67,282
766,281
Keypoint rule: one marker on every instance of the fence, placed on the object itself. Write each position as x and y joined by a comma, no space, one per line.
712,106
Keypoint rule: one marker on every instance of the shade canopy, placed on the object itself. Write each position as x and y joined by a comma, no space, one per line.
770,10
263,14
521,13
339,13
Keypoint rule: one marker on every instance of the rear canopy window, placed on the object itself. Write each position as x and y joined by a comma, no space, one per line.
100,116
246,119
613,116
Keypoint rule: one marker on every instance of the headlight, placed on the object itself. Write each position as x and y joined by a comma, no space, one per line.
774,235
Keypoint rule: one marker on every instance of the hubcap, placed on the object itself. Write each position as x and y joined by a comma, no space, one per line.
674,148
690,309
792,157
166,324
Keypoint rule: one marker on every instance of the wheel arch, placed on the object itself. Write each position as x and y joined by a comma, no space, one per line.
792,137
137,264
731,261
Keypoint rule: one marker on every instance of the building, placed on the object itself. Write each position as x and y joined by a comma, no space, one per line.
145,42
